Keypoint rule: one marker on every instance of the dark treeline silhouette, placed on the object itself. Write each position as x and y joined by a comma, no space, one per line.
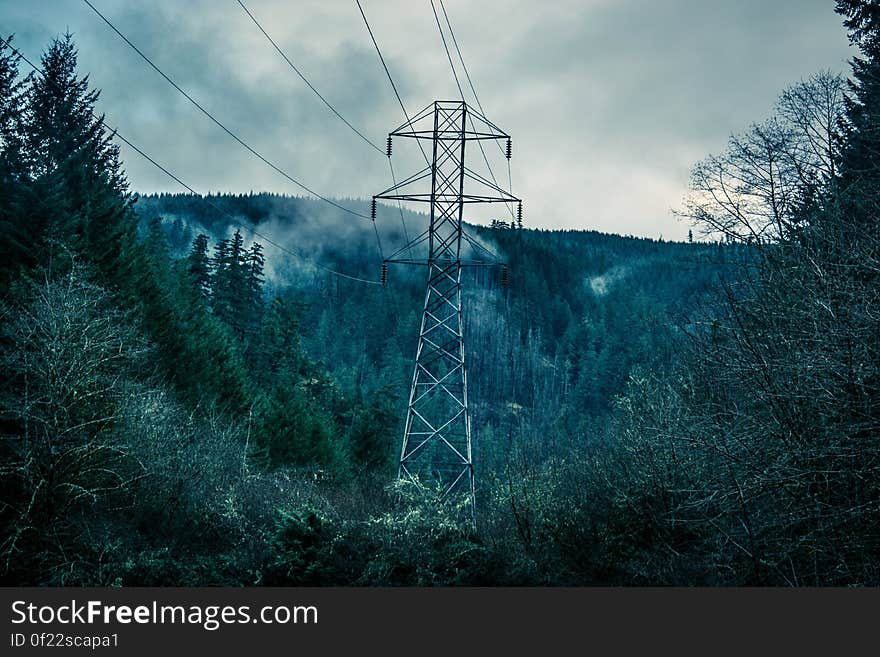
184,404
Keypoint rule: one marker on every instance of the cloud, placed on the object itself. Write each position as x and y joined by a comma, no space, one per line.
609,102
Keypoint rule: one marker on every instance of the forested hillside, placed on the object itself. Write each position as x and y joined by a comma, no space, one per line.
547,354
185,403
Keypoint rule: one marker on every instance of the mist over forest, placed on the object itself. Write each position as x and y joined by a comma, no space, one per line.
192,394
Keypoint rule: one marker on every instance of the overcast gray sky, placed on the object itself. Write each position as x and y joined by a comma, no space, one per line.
609,102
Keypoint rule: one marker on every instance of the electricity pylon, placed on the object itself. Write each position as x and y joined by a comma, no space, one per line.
437,435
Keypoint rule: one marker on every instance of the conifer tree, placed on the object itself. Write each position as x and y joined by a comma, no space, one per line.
73,165
236,281
237,284
12,234
199,266
861,159
255,262
220,280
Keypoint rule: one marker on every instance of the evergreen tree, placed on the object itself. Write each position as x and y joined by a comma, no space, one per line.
10,95
13,233
199,266
237,285
373,431
253,309
67,145
860,170
220,265
278,355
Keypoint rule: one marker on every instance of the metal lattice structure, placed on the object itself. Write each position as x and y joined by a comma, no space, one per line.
437,442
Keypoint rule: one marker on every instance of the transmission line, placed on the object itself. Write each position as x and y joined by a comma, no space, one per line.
341,118
448,56
390,79
331,108
309,84
218,123
461,93
399,206
461,59
463,65
234,221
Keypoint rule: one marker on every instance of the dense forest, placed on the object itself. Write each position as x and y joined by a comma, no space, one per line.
189,395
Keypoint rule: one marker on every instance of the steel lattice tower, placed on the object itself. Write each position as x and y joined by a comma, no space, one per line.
437,442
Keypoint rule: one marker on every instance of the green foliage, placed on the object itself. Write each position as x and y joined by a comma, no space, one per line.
372,435
198,266
290,428
422,541
306,552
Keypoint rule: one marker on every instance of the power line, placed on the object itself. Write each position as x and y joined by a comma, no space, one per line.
309,84
278,246
458,50
390,79
218,123
476,98
463,65
461,93
382,59
235,222
405,115
339,115
474,91
329,106
296,255
399,206
448,56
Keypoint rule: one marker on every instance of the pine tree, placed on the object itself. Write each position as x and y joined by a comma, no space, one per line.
254,288
237,282
237,285
861,159
373,427
13,233
199,266
11,102
220,302
73,165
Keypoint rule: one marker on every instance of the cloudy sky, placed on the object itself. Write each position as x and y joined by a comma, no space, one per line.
609,102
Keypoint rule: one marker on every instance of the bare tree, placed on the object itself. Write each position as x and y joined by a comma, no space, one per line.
815,112
754,190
